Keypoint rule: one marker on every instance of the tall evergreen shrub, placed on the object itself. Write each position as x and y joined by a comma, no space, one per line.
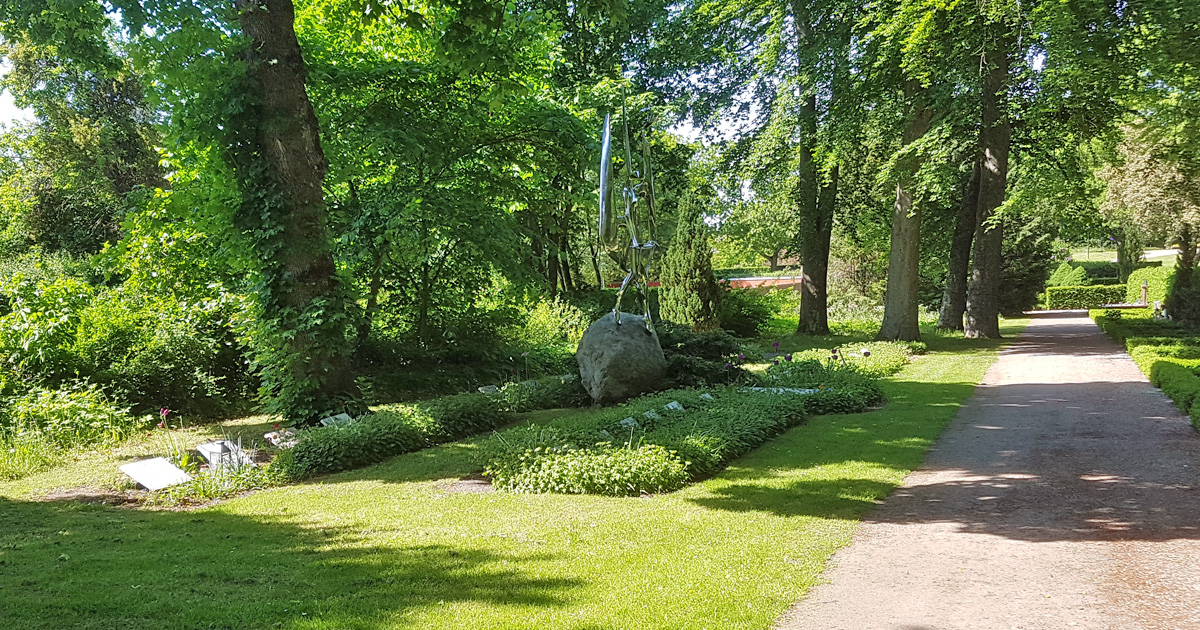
690,294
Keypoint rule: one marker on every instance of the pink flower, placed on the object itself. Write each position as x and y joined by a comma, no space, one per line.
275,426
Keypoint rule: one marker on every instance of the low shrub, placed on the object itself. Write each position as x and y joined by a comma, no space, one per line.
744,312
25,452
876,359
1098,270
73,416
647,446
390,431
1058,298
548,392
1168,353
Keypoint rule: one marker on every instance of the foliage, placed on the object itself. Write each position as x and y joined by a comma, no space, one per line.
217,483
25,452
77,415
1025,263
700,439
690,294
392,430
552,321
744,312
549,392
1167,352
1067,276
1058,298
1160,280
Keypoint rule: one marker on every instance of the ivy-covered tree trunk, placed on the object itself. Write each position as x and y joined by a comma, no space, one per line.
303,348
901,302
954,297
690,294
982,319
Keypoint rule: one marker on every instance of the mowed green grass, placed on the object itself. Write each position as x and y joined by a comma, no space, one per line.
391,547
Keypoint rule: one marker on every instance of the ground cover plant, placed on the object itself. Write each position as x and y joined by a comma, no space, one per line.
659,443
1167,352
393,545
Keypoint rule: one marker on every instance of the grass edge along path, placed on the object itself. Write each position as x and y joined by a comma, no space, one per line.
388,546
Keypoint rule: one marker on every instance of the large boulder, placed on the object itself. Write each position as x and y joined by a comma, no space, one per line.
617,362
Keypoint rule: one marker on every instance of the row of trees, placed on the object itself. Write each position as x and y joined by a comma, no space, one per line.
355,168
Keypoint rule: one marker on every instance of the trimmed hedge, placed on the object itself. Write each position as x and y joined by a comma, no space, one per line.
1058,298
402,428
1166,352
1159,279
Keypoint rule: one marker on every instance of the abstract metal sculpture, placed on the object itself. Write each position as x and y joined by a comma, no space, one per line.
636,250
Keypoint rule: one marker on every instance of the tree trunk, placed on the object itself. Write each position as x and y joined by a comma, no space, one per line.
954,298
276,152
814,262
814,251
982,319
901,302
368,316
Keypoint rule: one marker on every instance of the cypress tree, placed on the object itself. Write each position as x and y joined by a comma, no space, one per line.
690,294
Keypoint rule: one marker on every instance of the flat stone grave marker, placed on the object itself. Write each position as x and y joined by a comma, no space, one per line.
673,406
224,453
337,421
156,474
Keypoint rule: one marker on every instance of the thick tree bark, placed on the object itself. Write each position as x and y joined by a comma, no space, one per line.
901,305
814,252
281,168
954,297
982,319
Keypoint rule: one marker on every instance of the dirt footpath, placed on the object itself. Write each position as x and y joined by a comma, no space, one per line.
1066,494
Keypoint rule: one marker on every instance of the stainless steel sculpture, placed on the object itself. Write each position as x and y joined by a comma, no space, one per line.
637,249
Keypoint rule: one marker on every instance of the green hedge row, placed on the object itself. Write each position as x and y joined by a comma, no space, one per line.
1166,352
401,428
1058,298
1159,279
653,445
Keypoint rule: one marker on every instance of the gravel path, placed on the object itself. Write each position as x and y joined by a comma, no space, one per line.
1066,494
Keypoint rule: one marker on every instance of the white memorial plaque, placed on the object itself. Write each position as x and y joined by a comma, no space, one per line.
156,474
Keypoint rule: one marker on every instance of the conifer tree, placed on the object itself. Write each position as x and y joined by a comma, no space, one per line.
690,294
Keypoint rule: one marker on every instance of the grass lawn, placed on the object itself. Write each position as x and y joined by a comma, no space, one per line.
390,547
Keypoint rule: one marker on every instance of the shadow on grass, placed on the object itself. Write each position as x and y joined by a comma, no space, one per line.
69,565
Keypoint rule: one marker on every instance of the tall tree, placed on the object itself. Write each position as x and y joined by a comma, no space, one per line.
954,296
983,301
690,294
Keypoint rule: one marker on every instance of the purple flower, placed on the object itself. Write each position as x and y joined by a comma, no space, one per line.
776,361
775,345
728,365
866,353
787,357
741,357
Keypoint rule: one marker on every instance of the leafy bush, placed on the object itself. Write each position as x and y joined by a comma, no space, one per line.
1025,263
876,359
392,430
690,294
76,415
548,392
551,322
161,353
717,345
744,312
221,483
1083,297
1159,279
36,331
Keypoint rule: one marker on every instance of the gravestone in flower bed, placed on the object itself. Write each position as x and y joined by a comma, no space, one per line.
620,361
